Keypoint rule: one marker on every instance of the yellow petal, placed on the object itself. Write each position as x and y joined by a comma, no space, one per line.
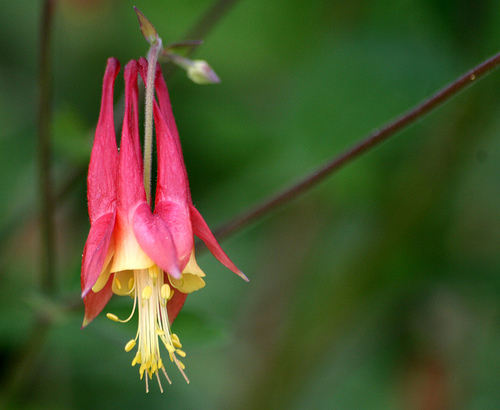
106,270
192,267
128,254
102,279
188,283
122,283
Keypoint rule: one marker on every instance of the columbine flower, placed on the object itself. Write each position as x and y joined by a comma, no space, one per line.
131,250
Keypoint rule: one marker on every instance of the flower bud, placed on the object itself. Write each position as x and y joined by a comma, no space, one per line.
148,30
200,72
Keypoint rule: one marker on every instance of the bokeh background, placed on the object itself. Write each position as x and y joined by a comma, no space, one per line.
378,289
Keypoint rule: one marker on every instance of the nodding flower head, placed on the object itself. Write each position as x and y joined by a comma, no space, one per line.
132,250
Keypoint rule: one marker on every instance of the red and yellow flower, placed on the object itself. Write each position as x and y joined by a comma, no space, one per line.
132,250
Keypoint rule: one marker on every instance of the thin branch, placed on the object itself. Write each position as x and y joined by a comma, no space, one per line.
23,363
44,152
375,138
209,19
203,27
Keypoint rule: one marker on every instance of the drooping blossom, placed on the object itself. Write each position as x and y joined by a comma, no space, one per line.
132,250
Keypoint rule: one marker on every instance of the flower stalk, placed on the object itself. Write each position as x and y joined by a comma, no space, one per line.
154,51
151,35
45,153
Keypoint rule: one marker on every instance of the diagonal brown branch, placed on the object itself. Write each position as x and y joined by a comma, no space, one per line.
203,27
207,22
44,152
375,138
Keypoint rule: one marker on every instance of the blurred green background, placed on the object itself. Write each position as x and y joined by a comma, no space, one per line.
379,289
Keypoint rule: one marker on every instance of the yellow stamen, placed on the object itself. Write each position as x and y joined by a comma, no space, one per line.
137,359
146,293
143,368
165,291
170,348
175,341
130,345
112,317
154,327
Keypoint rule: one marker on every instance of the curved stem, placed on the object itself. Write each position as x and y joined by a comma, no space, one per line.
203,26
209,19
44,152
375,138
34,343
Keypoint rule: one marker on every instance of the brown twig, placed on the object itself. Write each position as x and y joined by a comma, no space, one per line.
209,19
203,27
44,152
375,138
23,363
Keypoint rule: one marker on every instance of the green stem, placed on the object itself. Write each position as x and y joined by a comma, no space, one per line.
44,152
154,51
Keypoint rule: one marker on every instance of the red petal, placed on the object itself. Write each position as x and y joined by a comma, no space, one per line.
96,250
166,106
95,302
155,240
162,93
175,304
202,231
131,83
172,182
176,216
101,179
130,180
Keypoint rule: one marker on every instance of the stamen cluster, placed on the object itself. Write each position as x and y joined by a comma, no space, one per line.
151,296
